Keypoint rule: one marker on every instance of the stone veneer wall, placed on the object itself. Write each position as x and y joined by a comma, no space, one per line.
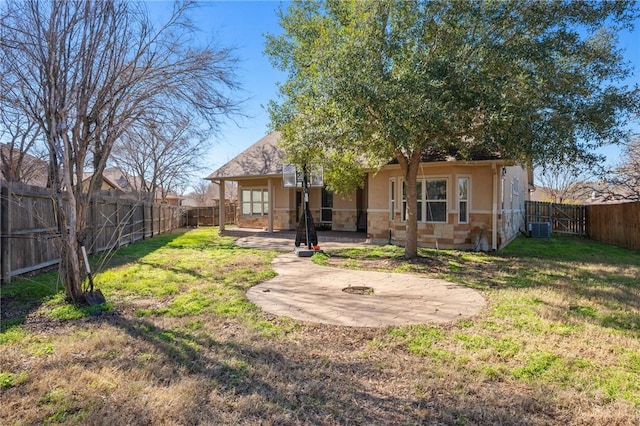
344,220
258,222
473,235
284,219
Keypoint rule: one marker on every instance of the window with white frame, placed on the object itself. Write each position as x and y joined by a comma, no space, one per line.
436,200
326,210
392,199
463,200
404,201
432,200
255,201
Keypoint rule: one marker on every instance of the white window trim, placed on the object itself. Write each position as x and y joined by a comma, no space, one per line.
264,205
393,203
422,198
468,177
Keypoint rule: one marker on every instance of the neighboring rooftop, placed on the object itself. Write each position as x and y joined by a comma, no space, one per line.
33,170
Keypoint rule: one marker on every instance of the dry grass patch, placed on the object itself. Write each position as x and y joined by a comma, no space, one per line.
564,314
558,344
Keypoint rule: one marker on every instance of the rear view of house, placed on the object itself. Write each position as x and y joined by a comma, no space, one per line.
468,205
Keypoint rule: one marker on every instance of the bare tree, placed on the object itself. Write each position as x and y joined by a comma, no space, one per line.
21,156
91,69
20,139
207,193
562,184
201,191
162,154
623,182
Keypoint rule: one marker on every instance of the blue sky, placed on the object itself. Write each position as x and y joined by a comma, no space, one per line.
243,24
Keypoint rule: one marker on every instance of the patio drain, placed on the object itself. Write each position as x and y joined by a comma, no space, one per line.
359,290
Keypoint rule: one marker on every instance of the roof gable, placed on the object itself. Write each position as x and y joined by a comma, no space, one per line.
262,158
265,157
34,171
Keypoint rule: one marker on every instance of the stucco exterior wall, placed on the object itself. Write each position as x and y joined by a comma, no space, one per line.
385,226
514,191
495,206
283,204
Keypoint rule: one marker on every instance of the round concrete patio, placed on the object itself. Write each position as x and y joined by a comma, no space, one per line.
305,291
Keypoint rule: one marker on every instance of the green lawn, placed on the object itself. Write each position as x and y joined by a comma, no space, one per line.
179,343
563,312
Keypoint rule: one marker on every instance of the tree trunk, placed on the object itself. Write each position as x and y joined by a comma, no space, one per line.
70,261
74,219
70,270
409,168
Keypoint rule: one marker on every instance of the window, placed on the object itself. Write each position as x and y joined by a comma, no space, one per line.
420,198
463,200
326,213
392,199
436,199
432,200
404,202
515,192
255,202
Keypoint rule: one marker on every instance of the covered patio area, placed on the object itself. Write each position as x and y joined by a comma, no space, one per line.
284,240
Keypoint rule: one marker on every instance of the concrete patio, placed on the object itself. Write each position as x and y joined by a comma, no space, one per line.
305,291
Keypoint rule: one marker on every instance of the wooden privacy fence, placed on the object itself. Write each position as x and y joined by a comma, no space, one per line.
617,224
209,216
564,218
29,233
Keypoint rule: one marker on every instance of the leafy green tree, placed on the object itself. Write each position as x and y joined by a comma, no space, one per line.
370,82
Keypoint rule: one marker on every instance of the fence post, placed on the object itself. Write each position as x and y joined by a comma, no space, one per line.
130,222
5,230
144,220
93,225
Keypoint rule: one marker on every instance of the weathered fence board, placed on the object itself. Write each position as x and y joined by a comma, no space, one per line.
29,232
617,224
564,218
209,216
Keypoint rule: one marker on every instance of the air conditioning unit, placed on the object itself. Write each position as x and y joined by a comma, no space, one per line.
540,229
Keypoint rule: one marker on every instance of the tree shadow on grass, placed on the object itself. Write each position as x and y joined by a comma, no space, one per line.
289,386
179,374
25,294
578,269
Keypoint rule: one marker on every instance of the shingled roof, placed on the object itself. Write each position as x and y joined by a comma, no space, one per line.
263,158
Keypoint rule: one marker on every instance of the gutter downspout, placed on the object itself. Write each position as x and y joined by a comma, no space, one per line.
494,210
